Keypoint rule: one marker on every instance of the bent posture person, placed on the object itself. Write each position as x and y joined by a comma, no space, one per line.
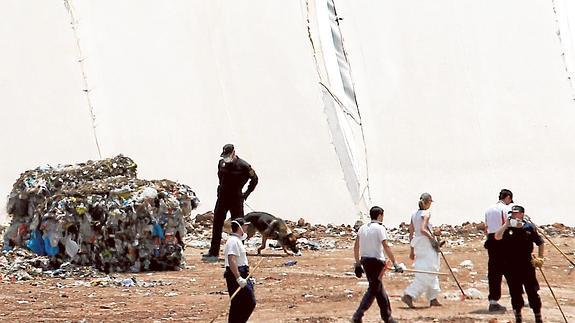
425,251
495,218
237,271
518,237
233,174
370,243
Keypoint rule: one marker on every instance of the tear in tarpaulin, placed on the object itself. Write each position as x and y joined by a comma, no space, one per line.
339,96
566,43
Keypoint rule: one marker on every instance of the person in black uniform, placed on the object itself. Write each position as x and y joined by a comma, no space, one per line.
518,237
233,174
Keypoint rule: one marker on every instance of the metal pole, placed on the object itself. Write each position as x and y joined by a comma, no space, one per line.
238,289
553,294
463,296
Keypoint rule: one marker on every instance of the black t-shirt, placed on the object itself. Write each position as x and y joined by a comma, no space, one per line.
518,243
233,176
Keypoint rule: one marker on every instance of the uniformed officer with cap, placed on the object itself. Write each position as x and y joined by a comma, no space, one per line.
518,237
233,174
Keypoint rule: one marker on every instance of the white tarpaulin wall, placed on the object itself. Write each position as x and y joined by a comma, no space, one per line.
461,99
456,98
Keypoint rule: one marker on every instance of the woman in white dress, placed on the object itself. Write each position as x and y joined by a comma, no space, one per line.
425,252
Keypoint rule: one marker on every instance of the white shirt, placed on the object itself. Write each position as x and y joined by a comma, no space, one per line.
370,237
234,246
495,216
417,220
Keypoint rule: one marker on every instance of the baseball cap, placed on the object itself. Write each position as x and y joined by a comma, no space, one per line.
426,197
517,208
227,150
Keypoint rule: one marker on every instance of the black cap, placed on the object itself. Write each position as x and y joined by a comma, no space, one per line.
517,208
227,150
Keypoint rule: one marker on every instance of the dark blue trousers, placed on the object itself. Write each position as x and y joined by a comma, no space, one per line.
245,301
375,291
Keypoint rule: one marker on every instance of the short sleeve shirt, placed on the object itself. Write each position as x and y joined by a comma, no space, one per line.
370,237
234,246
417,220
495,216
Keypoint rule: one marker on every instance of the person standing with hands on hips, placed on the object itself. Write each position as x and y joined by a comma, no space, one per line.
237,271
370,242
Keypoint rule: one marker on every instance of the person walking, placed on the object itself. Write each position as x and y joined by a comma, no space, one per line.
233,174
425,251
518,237
236,273
495,217
368,250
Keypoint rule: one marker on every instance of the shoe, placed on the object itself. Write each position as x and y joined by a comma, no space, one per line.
407,300
434,302
496,308
209,258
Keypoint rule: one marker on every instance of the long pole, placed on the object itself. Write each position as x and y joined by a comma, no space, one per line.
528,218
424,272
463,296
553,294
556,247
238,290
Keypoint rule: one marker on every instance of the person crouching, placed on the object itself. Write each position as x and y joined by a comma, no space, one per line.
237,271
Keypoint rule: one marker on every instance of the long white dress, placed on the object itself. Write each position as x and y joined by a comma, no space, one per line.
425,259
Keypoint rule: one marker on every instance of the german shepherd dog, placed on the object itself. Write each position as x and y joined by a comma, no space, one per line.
273,228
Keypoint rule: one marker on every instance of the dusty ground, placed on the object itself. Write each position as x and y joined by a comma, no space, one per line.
198,293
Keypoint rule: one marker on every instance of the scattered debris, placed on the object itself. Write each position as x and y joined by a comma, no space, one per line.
468,264
290,263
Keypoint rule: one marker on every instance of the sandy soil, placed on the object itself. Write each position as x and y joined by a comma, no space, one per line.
316,289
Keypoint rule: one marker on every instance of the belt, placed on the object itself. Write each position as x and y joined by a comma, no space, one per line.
240,268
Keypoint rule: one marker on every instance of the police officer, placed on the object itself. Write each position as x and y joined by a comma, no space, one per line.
370,243
495,218
237,271
233,174
518,237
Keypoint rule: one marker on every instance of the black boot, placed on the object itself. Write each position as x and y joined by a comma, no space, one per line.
538,318
518,318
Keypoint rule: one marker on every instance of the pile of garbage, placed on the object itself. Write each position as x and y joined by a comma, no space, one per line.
99,214
558,230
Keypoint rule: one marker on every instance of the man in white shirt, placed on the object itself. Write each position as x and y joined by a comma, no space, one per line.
370,243
237,271
495,217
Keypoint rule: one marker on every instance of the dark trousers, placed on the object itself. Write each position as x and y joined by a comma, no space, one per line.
522,275
234,204
244,302
495,266
373,268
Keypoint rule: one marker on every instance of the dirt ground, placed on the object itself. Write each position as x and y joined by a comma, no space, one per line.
316,289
